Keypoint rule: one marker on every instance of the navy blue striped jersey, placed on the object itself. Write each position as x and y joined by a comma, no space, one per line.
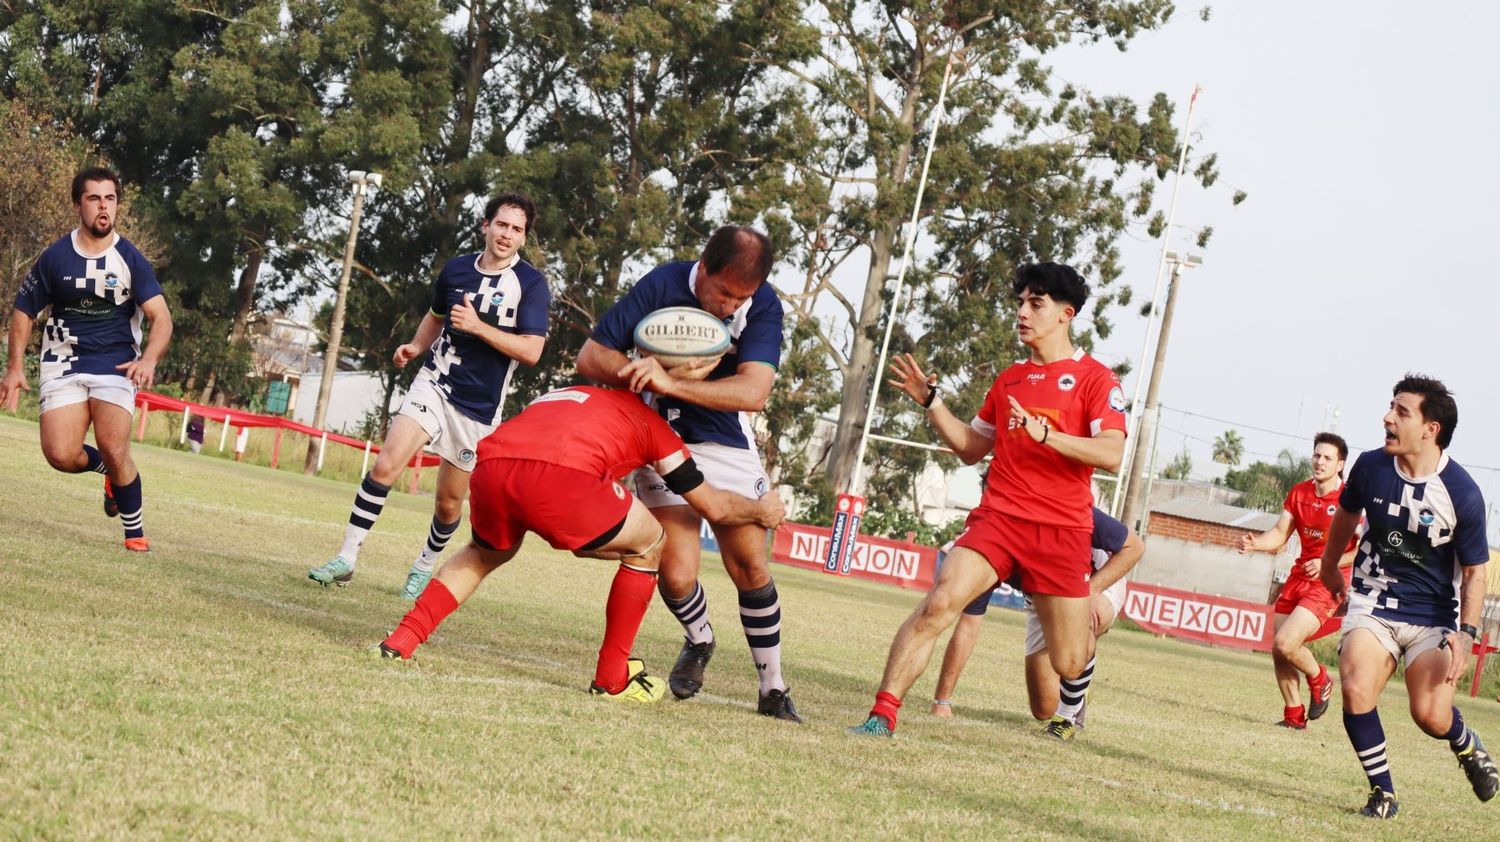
95,323
754,336
471,373
1420,532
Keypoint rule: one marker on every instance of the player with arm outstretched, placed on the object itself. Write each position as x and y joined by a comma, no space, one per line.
555,470
1057,701
708,406
1050,420
488,316
1417,591
98,288
1304,605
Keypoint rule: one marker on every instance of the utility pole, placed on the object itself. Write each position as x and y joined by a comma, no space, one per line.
1134,496
362,182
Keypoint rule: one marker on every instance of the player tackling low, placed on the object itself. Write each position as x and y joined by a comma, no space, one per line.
1063,416
1418,585
729,281
554,470
1304,605
98,287
488,315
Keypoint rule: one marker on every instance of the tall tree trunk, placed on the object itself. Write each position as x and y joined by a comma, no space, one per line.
244,302
853,405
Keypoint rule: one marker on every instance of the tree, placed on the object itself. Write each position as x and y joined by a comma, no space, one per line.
1229,448
1181,466
1265,484
1024,169
38,158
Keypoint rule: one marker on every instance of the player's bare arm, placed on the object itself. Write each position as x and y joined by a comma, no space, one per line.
14,382
1271,540
525,349
1103,451
966,442
1118,565
1339,533
602,364
142,372
744,391
1470,613
726,508
427,333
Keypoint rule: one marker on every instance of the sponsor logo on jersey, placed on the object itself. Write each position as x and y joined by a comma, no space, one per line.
1066,382
1117,399
657,486
1036,377
1426,517
466,456
1395,538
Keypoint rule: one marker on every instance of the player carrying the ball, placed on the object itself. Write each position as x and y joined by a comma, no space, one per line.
1304,605
1063,416
555,470
488,315
729,281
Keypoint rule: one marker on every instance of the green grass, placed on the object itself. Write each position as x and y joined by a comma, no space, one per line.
210,690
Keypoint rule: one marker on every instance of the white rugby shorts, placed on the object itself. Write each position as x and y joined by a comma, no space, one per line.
455,436
1036,641
78,388
736,469
1398,638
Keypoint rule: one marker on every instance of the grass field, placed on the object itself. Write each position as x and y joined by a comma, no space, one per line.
210,690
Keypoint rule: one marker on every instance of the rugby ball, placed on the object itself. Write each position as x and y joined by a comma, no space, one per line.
675,335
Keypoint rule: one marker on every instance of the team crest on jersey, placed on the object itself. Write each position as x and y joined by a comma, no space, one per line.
1067,382
760,488
111,281
1117,399
1331,509
1426,517
619,491
466,456
496,300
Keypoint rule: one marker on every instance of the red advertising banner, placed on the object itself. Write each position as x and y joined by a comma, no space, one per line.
876,559
1200,617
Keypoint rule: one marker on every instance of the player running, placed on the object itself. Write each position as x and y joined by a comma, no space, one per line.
488,315
99,288
1304,605
709,413
1063,416
1418,586
554,470
1057,701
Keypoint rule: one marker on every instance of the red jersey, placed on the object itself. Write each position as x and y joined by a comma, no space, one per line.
1031,481
604,432
1311,516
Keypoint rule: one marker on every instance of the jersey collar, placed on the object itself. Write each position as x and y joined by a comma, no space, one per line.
515,258
1442,463
1078,354
77,249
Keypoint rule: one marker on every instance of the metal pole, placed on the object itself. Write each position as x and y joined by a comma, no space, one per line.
1137,410
314,460
856,481
1151,471
1133,497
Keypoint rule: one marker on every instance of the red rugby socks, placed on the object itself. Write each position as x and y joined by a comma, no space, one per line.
435,603
629,596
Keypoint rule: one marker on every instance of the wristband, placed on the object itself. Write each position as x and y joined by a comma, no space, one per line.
1046,431
1465,628
932,391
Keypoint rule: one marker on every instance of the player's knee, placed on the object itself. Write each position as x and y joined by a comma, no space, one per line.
1070,665
675,582
447,509
939,609
1042,710
66,461
748,575
1285,647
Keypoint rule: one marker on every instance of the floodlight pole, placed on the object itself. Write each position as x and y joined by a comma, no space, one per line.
1134,498
361,182
1137,409
856,480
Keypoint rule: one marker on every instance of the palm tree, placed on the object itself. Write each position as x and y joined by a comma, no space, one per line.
1229,449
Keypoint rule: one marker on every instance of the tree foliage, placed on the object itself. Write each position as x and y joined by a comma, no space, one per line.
1229,448
1266,484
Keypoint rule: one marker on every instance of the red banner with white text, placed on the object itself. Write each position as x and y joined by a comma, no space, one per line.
1200,617
876,559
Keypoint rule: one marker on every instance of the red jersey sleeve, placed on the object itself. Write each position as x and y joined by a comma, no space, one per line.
666,447
1104,402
